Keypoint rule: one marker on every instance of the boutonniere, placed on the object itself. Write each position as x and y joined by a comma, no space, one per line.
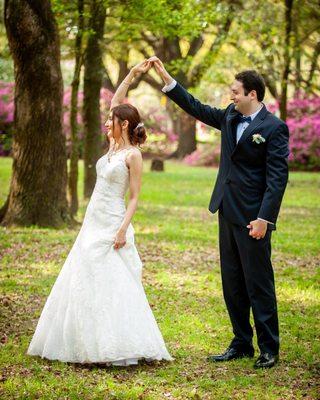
257,138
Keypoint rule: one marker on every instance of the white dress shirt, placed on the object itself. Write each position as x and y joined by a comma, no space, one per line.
240,128
243,125
169,87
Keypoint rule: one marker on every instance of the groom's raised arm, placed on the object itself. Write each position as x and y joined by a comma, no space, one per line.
203,112
209,115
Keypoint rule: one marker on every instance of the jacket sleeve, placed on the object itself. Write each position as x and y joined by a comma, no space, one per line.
276,173
209,115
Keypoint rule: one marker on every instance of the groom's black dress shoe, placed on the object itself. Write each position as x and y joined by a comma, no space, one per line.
231,353
266,360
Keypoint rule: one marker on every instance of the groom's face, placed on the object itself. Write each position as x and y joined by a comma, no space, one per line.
241,101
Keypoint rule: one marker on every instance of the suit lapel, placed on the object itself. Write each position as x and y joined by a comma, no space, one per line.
252,126
230,126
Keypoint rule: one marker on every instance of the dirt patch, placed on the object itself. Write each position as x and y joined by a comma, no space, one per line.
17,315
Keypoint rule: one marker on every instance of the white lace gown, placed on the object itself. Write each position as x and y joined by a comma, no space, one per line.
97,311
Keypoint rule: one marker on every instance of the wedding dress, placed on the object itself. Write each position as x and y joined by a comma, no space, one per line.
97,311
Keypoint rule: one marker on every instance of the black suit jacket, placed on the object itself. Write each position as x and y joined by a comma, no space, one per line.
252,177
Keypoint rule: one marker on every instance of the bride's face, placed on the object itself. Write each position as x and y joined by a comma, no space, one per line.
113,126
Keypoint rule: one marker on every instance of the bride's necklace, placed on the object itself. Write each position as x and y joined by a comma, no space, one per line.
113,152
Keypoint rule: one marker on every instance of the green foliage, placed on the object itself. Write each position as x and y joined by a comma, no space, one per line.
177,240
170,29
165,18
6,64
6,69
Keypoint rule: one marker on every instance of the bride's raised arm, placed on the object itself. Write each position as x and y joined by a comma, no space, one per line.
122,90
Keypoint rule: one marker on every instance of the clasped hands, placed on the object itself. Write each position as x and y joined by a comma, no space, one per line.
146,64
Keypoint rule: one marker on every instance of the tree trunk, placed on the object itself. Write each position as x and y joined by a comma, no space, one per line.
187,135
93,73
297,56
297,81
74,156
38,184
313,67
185,127
287,59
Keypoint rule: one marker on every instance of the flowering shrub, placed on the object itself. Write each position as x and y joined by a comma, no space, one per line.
206,155
105,101
304,125
6,117
161,137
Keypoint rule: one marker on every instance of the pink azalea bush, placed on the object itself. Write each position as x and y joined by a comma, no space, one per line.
66,118
105,101
6,116
161,137
208,148
206,155
304,125
303,120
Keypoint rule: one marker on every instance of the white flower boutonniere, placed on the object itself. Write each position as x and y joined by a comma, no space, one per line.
257,138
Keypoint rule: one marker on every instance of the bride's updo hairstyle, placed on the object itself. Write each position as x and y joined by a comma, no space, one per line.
136,131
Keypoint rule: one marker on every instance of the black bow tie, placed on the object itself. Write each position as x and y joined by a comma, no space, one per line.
242,119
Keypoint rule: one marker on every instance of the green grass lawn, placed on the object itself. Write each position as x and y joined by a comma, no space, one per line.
177,240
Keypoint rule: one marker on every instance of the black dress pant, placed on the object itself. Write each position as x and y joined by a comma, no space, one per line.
248,282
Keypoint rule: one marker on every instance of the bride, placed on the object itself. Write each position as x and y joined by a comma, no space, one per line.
97,311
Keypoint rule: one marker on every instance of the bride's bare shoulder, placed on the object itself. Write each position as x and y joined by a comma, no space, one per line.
134,155
135,151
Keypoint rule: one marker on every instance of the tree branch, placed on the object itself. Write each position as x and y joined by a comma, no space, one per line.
151,40
200,69
106,80
151,81
195,46
313,66
270,83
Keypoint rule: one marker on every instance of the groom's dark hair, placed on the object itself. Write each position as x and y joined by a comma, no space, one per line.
251,80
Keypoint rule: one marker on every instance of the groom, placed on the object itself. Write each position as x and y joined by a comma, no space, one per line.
252,178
